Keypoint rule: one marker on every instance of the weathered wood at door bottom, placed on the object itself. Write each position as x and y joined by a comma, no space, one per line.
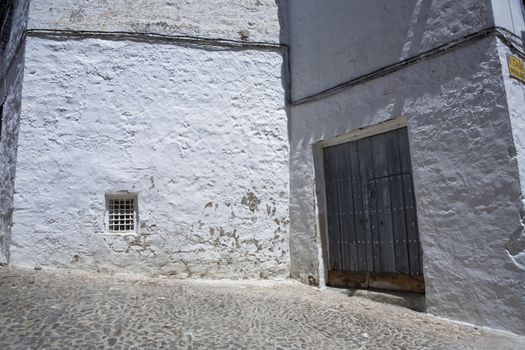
374,280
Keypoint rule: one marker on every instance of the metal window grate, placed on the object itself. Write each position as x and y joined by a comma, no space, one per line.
121,214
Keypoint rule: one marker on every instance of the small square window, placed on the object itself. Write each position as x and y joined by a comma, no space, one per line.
121,213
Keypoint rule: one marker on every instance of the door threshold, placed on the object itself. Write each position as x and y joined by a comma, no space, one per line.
409,300
386,281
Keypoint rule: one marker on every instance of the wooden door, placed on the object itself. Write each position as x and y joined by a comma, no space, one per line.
373,239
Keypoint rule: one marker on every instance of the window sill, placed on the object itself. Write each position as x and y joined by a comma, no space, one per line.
122,233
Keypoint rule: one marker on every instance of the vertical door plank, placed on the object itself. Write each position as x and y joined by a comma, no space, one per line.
386,239
350,223
359,220
399,224
375,201
413,244
332,207
366,172
397,203
346,217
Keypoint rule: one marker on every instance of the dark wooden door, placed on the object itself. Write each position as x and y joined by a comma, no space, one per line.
373,239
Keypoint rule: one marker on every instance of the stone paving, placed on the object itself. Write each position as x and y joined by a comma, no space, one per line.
72,310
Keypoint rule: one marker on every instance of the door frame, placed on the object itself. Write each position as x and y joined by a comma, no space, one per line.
321,204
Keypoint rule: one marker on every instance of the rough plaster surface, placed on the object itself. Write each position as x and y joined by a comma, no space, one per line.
333,44
515,93
18,26
210,18
199,133
465,175
509,15
11,70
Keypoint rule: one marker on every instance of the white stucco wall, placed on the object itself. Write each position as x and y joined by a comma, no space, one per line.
11,70
209,18
200,133
465,176
515,94
334,43
508,14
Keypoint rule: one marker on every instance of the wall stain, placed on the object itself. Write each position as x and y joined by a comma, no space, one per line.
251,201
152,182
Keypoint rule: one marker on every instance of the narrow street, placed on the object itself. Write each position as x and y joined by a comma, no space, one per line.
72,310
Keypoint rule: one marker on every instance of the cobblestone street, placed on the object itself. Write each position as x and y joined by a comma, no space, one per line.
61,310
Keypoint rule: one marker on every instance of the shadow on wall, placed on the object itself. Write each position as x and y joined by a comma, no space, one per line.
286,81
435,90
284,41
391,95
328,49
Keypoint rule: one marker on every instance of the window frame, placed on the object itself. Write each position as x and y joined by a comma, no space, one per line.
120,197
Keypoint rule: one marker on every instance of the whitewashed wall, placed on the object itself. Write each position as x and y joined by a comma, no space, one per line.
333,43
515,93
11,70
199,132
508,14
466,173
329,49
204,18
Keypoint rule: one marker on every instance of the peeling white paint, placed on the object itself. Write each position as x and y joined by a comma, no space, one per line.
250,20
467,186
461,122
199,135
